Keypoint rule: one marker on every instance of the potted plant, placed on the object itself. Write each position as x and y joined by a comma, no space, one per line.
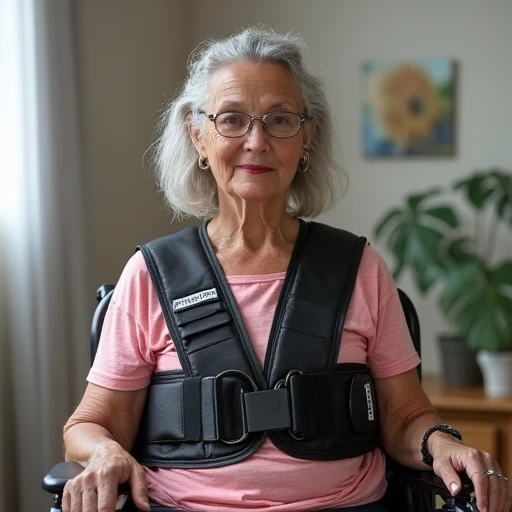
429,235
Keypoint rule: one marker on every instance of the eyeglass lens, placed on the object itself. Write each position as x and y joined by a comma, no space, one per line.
279,125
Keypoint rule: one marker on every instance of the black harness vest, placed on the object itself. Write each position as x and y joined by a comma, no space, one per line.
219,409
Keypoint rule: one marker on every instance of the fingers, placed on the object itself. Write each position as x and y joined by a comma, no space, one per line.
106,493
90,500
139,487
508,499
491,488
66,499
71,500
449,476
501,496
498,494
481,483
91,491
72,497
492,492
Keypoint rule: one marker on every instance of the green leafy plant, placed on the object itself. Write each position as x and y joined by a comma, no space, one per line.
426,236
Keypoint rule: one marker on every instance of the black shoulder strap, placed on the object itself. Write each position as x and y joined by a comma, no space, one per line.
204,321
311,312
199,311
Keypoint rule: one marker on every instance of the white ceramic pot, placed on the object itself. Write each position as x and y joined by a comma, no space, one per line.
497,372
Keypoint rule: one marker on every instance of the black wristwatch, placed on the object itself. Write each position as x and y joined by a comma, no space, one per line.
427,458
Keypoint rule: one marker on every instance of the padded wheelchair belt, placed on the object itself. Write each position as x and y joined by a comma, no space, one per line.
229,407
190,412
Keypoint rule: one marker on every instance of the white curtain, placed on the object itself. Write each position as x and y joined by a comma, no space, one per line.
44,307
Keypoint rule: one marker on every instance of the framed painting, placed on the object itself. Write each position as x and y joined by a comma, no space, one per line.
409,108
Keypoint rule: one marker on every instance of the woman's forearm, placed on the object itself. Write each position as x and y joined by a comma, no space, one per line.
104,420
403,443
405,415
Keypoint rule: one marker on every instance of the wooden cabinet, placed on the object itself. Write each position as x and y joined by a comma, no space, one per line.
485,423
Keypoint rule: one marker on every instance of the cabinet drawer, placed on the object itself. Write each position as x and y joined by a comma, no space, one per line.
479,435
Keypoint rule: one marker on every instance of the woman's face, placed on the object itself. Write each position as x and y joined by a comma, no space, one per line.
254,167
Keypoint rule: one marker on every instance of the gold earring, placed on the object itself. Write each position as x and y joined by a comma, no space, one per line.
203,163
303,163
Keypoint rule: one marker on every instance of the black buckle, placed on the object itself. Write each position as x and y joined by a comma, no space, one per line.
262,411
283,383
243,376
267,410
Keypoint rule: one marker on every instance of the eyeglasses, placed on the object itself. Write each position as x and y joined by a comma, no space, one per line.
281,125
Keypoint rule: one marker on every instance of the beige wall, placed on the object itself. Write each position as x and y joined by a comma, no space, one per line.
135,52
340,35
134,57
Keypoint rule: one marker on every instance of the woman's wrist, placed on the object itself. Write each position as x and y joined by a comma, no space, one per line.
85,441
435,437
107,446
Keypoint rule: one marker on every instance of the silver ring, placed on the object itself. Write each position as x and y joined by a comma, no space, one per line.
491,472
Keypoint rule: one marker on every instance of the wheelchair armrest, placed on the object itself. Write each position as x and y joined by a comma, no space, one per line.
58,476
429,481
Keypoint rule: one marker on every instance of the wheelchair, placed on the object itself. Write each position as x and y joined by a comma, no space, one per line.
409,490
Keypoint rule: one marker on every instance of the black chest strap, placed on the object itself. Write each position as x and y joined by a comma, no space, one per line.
229,407
223,395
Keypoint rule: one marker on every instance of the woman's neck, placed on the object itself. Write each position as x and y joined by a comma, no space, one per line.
253,243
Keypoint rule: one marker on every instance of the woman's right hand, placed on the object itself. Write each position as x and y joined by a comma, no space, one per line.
95,489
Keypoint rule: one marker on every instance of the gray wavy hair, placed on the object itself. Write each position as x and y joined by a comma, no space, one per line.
192,191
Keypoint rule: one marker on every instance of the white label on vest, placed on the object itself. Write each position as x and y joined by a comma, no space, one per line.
193,300
369,401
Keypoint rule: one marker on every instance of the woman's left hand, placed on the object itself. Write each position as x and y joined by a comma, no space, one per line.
492,489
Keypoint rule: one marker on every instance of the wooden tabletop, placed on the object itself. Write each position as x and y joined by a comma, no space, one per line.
463,398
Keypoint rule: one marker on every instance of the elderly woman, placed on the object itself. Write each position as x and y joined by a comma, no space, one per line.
248,145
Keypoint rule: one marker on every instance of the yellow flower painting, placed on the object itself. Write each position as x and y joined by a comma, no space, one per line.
409,108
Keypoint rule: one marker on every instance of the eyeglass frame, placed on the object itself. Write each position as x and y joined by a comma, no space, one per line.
213,117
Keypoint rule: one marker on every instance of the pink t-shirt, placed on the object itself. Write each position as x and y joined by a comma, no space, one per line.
135,343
